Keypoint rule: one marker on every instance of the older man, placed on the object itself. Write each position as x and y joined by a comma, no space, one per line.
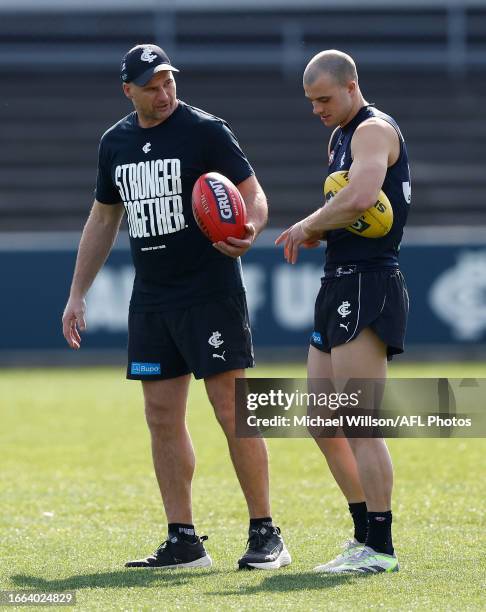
188,311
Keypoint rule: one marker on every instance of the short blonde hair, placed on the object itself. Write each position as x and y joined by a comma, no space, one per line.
339,65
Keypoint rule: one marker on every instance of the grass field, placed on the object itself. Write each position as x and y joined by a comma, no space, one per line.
78,498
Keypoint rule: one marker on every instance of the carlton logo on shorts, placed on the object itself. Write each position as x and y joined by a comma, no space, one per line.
344,309
215,340
145,369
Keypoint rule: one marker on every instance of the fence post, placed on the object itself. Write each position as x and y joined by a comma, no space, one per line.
291,46
456,39
165,28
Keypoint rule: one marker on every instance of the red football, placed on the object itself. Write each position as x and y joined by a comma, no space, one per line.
218,207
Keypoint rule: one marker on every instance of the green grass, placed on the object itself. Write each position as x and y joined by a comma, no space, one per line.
78,498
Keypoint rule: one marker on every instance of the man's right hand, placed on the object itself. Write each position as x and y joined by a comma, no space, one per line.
74,322
298,235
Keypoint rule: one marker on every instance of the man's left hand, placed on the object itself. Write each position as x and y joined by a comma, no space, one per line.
236,247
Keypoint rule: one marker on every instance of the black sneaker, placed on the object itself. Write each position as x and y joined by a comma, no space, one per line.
266,549
177,552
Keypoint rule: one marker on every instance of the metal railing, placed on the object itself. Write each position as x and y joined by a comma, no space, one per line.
448,35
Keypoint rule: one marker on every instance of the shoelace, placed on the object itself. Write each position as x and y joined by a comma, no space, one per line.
161,547
167,543
360,554
257,539
349,545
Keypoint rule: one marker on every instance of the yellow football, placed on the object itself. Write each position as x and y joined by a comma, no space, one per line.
374,222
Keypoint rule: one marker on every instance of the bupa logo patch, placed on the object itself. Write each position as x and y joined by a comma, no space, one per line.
222,198
144,369
316,338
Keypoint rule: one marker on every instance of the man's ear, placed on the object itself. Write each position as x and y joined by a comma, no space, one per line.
127,90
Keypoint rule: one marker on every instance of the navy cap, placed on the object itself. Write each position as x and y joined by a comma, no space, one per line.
141,63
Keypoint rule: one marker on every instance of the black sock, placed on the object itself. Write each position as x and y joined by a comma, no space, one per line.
185,530
360,519
266,521
379,536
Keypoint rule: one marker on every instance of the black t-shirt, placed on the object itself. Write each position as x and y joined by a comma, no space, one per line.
152,171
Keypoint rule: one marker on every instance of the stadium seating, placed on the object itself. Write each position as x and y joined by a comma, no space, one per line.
55,110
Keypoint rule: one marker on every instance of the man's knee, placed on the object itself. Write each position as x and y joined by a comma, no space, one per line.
358,444
165,403
223,404
156,415
224,409
221,393
328,442
161,416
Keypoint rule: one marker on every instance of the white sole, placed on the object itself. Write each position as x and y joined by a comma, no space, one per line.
323,569
282,560
205,561
326,568
338,570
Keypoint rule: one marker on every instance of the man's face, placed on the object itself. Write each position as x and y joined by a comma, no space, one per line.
332,101
155,101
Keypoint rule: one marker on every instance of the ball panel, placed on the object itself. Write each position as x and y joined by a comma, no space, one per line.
218,207
213,229
374,222
200,210
204,221
334,183
226,205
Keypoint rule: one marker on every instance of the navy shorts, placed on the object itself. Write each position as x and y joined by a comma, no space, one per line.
347,304
206,339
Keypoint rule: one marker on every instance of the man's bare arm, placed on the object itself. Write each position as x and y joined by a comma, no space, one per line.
374,148
95,245
371,147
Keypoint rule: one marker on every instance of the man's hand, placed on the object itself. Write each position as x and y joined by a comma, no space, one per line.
236,247
74,321
296,236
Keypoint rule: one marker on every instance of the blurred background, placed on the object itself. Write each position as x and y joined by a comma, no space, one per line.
422,61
